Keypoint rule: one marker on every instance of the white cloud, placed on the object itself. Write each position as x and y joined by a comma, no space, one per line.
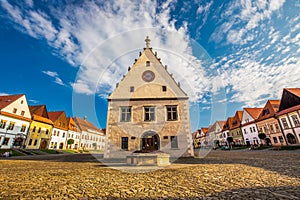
55,76
3,94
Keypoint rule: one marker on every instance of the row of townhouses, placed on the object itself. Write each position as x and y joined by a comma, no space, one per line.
33,127
278,122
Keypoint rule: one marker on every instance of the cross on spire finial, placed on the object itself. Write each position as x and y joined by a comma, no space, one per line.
147,40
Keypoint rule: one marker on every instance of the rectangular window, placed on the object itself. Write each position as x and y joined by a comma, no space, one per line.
166,137
149,113
35,142
277,128
171,113
131,89
275,140
11,126
280,139
295,120
125,114
253,128
23,128
14,110
34,128
271,128
125,143
284,123
5,141
30,142
22,112
164,88
39,130
2,124
174,142
147,63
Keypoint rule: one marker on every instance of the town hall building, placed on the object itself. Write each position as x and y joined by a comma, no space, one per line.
148,112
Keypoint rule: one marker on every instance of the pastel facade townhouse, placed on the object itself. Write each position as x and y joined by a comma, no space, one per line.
225,132
92,138
235,130
289,115
215,133
14,120
39,133
268,124
74,134
59,131
148,111
249,127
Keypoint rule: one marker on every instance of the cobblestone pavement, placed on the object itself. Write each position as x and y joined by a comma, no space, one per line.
220,175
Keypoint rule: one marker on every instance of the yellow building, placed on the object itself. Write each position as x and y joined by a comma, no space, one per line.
40,128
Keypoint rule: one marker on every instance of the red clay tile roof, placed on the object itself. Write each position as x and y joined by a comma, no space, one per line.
236,120
6,100
269,110
295,91
72,125
254,112
53,116
85,125
288,110
41,119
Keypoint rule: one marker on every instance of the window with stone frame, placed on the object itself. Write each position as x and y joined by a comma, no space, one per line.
11,126
172,114
23,128
275,140
125,114
149,113
5,141
295,120
284,123
281,139
2,124
124,144
271,128
277,127
174,142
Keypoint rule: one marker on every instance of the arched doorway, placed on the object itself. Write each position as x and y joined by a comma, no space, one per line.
150,142
44,144
291,138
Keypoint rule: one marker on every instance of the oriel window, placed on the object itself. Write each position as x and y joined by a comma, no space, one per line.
125,114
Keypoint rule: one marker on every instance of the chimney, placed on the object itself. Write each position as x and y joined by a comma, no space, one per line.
84,118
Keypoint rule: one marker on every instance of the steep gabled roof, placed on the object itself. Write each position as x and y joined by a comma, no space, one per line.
254,112
295,91
146,77
227,124
53,116
72,125
269,110
236,120
85,125
290,98
8,99
39,110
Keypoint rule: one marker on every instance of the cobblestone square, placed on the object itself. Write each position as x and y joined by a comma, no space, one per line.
220,175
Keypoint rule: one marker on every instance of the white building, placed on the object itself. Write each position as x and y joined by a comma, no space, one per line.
92,138
74,134
59,131
14,120
249,127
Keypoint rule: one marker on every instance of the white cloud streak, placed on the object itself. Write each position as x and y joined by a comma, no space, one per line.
55,76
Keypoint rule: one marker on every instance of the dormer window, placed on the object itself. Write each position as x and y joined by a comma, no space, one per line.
147,63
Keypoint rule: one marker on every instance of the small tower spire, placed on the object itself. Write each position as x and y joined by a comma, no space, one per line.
147,40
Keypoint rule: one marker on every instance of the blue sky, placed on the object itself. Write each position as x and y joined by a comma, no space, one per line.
226,54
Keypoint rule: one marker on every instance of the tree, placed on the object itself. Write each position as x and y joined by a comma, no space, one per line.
262,136
229,140
70,142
